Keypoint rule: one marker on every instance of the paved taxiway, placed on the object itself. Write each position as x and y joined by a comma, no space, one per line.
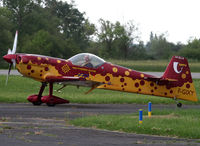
23,124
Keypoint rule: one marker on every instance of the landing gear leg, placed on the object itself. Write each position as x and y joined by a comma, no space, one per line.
36,99
51,100
51,103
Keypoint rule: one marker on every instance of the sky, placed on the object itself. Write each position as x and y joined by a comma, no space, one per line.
178,19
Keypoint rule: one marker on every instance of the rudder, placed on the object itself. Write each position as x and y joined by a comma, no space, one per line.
178,71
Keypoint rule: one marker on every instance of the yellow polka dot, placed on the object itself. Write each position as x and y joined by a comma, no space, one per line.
115,69
47,58
187,72
58,61
66,60
142,75
127,73
39,58
183,76
130,69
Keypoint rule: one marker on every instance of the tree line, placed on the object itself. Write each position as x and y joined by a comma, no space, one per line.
56,28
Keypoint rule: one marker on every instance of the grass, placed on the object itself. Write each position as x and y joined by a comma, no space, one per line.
152,65
178,123
19,88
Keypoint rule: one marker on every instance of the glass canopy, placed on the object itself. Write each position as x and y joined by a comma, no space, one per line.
87,60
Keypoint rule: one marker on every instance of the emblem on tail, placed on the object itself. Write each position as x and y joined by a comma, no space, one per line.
175,65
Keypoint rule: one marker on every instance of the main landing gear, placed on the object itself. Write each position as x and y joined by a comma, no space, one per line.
50,100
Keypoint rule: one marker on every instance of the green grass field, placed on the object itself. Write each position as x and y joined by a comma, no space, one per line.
174,123
19,88
167,123
152,65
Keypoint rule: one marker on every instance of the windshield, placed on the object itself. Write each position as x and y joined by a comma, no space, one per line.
87,60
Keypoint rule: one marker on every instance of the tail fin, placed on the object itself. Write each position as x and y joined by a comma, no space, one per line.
178,70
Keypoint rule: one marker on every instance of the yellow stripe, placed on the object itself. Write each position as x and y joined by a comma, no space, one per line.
84,69
182,65
149,114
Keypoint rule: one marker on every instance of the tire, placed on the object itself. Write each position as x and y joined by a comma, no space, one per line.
37,103
179,105
50,104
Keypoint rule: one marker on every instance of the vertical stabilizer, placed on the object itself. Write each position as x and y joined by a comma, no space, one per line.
179,71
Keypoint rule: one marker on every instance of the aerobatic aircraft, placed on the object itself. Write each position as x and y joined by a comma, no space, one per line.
86,69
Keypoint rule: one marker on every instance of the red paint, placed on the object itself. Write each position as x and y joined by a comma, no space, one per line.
142,82
46,69
9,57
28,66
122,80
107,78
136,85
188,86
151,84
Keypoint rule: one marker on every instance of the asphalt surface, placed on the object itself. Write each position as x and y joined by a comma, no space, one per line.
157,74
24,124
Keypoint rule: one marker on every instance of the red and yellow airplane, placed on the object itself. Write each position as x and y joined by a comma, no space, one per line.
86,69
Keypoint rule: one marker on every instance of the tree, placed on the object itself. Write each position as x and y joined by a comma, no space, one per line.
5,33
126,35
158,47
72,23
53,19
138,52
191,50
116,39
19,9
106,37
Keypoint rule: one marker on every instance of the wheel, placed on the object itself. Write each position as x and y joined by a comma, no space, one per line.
51,104
179,105
37,103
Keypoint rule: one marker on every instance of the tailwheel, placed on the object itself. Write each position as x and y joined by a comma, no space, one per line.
179,105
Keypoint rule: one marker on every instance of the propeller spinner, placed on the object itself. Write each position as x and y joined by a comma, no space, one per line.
11,56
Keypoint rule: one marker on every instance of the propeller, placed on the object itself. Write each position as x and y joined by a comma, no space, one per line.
11,56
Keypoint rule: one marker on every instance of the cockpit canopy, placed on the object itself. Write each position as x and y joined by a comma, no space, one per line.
83,59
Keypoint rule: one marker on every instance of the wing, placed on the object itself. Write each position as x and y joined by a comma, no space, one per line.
161,80
71,80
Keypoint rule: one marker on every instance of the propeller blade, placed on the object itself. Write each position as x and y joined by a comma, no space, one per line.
9,51
10,66
13,62
15,43
11,57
